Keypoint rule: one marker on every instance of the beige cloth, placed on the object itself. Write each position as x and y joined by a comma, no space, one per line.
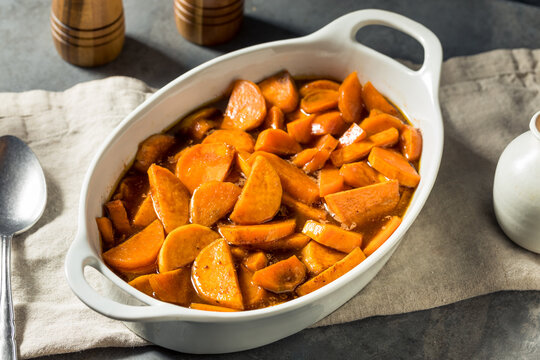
454,250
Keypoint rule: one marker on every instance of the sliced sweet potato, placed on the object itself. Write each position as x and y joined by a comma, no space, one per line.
410,142
118,215
301,211
353,134
394,166
382,235
151,150
318,85
246,109
340,268
325,145
142,284
106,230
356,206
214,276
211,201
275,119
359,174
183,244
240,140
318,258
254,296
304,156
257,234
170,198
204,162
278,142
196,125
256,261
145,213
291,242
373,99
207,307
293,180
242,163
377,123
330,181
361,149
173,286
332,236
280,90
300,129
350,98
329,122
283,276
319,100
260,198
138,251
239,253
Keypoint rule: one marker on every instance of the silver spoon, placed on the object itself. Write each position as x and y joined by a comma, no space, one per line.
23,194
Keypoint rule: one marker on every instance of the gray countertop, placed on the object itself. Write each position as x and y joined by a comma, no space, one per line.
502,325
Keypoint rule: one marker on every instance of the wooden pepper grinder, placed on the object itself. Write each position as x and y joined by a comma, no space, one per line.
208,22
88,32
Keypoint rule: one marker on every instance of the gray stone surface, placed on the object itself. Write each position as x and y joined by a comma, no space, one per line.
496,326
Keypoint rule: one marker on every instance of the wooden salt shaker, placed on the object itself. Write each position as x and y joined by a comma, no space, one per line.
88,32
208,22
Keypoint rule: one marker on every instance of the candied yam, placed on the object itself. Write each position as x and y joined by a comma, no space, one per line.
300,129
410,142
142,284
304,156
257,234
280,90
318,85
291,242
330,181
211,201
293,180
319,100
214,276
373,99
260,198
283,276
350,98
170,198
242,162
356,206
277,141
340,268
106,230
361,149
118,215
359,174
200,122
173,286
246,109
275,119
254,296
329,122
332,236
394,166
207,307
377,123
318,258
239,253
256,261
325,146
301,211
151,150
382,235
138,251
204,162
183,244
145,213
240,140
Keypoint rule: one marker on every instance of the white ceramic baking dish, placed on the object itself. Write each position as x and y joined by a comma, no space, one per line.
330,52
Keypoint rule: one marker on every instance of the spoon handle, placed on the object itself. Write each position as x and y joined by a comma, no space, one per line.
8,350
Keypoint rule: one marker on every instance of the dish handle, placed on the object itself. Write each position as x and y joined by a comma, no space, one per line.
346,27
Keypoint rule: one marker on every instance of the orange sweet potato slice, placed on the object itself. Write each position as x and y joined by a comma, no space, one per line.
330,181
106,230
340,268
283,276
330,122
240,140
242,162
256,261
204,162
138,251
319,100
394,166
142,284
214,276
377,123
151,150
211,201
318,85
318,258
300,129
359,174
382,235
332,236
261,195
170,198
275,119
353,134
293,180
356,206
325,145
145,213
373,99
301,211
118,215
257,234
304,156
277,141
410,142
254,296
350,98
280,90
207,307
239,253
183,244
291,242
200,122
246,109
173,286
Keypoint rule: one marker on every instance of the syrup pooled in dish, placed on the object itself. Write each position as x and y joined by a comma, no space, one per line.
283,189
